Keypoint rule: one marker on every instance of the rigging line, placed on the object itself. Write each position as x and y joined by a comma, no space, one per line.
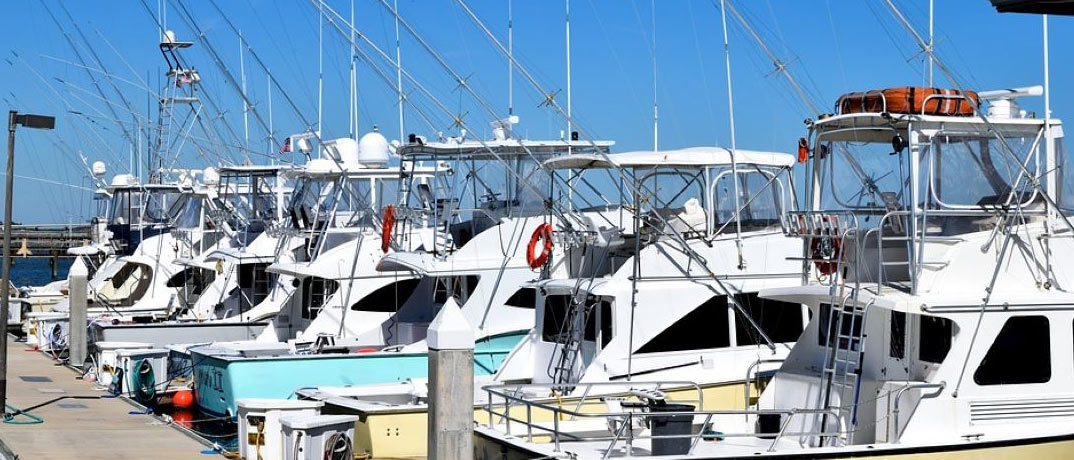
636,187
398,70
1002,141
202,37
440,105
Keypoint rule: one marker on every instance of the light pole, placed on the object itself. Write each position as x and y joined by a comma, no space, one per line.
13,120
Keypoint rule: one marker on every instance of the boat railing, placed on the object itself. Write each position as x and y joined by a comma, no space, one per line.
753,379
620,423
939,387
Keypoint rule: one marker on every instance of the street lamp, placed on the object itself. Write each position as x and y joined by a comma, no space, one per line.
13,120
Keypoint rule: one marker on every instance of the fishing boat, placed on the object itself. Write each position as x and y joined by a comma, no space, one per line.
612,323
929,245
483,206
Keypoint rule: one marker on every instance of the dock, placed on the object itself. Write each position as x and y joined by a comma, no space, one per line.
79,421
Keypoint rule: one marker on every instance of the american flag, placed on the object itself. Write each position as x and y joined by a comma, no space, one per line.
286,147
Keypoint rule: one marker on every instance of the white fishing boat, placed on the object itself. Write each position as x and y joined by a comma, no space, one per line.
938,310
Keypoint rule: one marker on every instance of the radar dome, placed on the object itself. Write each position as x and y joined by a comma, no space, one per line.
99,169
373,149
210,177
123,179
343,150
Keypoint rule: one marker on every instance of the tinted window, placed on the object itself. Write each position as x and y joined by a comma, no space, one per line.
781,321
897,345
554,329
1020,354
316,291
704,327
387,298
523,298
935,339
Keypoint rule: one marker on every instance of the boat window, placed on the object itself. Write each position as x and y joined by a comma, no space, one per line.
678,197
760,198
781,321
703,328
850,326
387,298
255,283
316,292
897,329
604,316
523,298
934,340
554,327
460,287
1020,354
975,170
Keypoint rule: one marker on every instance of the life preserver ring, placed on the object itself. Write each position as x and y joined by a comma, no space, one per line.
542,233
387,226
825,252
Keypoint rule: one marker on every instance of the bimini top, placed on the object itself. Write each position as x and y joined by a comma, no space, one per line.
689,157
255,169
500,147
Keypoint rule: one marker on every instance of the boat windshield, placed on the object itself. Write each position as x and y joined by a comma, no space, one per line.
958,171
186,211
341,201
250,199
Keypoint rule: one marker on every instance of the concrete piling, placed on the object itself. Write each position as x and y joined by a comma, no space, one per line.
451,385
77,280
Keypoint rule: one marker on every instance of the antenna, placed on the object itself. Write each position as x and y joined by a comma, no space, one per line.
1050,160
245,106
734,146
510,61
398,70
569,116
656,111
931,42
320,68
354,83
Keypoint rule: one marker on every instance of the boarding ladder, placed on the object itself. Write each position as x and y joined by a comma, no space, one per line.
570,337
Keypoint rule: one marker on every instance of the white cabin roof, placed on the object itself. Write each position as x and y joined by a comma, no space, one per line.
689,157
501,147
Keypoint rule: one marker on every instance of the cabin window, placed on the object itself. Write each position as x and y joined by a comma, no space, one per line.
460,287
1020,354
556,307
703,328
387,298
826,325
255,283
781,321
317,291
935,339
523,298
897,342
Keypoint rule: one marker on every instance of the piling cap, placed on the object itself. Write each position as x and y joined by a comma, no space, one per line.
450,330
78,268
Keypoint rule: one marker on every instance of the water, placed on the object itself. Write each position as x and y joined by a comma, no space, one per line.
35,271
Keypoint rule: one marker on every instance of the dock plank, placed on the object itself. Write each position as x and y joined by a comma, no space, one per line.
81,425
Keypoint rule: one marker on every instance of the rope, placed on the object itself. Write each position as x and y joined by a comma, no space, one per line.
9,418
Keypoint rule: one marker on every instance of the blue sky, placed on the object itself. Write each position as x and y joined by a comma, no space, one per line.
832,46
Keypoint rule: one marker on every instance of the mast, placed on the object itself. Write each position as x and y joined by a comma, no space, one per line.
931,41
734,146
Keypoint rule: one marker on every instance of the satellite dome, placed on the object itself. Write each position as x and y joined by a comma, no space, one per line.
373,149
123,179
99,169
343,150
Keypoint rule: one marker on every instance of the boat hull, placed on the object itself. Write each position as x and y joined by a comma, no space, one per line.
220,381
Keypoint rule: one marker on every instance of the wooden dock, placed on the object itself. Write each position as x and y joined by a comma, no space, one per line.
78,422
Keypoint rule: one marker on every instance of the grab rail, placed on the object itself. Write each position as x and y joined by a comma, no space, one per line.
748,381
625,419
913,386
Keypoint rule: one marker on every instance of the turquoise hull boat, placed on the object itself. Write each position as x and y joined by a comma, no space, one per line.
220,380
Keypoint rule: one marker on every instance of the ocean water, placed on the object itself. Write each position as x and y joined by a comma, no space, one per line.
35,271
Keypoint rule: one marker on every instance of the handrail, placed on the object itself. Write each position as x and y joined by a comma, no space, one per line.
749,370
625,418
912,386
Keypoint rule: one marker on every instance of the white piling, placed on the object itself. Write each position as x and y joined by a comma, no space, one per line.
76,281
451,385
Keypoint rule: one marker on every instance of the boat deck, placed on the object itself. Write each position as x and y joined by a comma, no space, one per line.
78,422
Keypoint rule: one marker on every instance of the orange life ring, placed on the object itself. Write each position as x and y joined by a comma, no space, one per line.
387,225
825,252
543,232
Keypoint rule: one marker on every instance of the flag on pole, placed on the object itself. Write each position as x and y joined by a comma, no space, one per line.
286,147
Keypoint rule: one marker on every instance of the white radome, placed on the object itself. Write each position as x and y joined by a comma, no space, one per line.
210,177
373,150
99,169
